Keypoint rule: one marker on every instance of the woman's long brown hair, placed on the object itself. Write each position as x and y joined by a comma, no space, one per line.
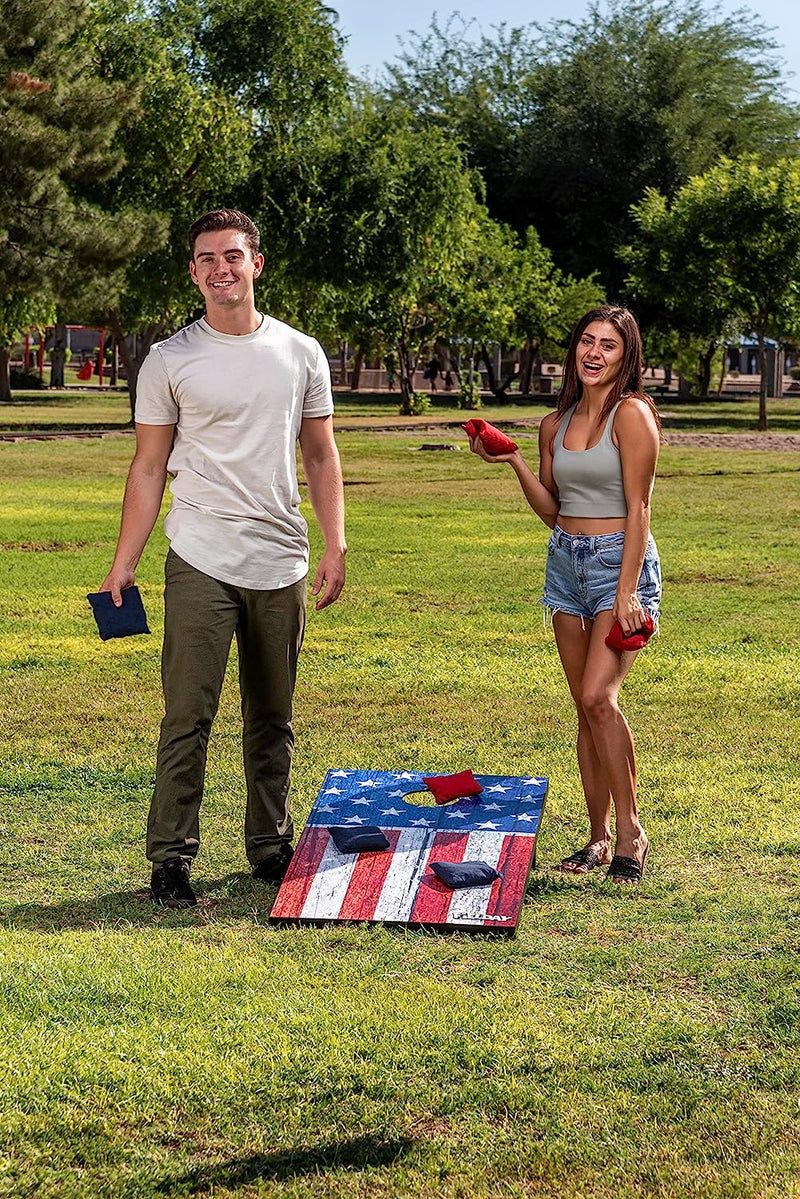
629,380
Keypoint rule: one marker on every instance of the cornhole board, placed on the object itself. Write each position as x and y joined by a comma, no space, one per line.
397,886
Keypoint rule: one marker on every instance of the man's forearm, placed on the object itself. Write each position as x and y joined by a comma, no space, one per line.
324,477
140,508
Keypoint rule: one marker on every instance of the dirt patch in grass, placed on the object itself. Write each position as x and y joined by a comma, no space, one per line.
782,442
777,442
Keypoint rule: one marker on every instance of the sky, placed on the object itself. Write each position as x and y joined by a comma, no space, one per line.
373,28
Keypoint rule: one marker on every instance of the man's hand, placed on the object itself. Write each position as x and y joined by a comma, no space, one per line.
117,579
143,492
329,579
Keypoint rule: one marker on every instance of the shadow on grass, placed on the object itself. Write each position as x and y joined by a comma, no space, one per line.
235,896
359,1153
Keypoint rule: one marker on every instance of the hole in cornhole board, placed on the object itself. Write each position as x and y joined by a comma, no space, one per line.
424,799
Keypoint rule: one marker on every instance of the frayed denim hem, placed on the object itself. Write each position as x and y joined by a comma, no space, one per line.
548,612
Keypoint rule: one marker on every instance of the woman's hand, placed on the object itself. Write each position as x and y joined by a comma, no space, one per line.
476,445
629,612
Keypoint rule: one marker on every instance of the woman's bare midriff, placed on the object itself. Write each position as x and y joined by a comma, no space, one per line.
590,526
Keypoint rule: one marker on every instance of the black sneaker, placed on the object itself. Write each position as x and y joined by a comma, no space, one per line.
273,869
170,886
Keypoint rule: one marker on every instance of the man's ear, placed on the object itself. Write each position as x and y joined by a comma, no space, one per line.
258,265
193,271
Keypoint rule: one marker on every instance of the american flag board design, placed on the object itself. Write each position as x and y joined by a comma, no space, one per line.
397,886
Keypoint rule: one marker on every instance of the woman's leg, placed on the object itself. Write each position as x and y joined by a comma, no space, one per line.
573,640
603,674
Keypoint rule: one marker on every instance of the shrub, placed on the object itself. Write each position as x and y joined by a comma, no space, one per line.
22,380
469,395
418,403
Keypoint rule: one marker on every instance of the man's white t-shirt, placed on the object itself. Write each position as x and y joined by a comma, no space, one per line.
238,403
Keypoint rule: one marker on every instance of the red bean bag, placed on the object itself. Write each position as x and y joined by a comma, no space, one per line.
445,787
494,440
617,640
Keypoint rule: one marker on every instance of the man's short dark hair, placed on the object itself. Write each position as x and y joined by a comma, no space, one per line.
226,218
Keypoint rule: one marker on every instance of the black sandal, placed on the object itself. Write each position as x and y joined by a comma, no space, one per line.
588,857
627,870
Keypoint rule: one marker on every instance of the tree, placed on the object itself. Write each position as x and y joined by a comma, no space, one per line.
512,293
231,85
57,120
377,223
571,122
548,304
725,251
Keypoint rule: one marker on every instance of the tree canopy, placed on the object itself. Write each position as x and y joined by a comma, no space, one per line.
725,250
570,122
484,193
58,120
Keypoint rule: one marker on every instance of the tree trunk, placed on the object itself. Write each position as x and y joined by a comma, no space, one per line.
762,383
58,356
498,388
5,378
491,377
527,362
406,378
722,373
358,361
704,368
668,375
113,375
133,358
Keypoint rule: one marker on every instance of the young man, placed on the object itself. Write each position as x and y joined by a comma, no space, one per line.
219,408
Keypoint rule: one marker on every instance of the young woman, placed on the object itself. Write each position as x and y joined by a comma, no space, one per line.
597,463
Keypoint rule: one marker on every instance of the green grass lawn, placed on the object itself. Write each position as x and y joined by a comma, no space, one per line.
624,1044
56,411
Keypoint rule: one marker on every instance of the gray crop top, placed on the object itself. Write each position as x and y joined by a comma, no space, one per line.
589,481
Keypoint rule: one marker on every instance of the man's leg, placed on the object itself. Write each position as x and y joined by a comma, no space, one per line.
200,616
269,635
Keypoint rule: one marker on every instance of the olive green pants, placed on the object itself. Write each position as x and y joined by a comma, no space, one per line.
201,617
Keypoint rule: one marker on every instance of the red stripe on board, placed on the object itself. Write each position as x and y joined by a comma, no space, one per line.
366,881
433,897
507,892
300,875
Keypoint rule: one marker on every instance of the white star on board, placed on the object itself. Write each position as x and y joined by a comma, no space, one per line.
422,820
497,787
333,791
390,811
525,817
456,815
404,775
487,824
325,807
492,807
396,794
355,820
340,774
369,783
361,802
533,782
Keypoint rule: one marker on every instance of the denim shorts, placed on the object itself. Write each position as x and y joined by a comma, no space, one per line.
582,574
